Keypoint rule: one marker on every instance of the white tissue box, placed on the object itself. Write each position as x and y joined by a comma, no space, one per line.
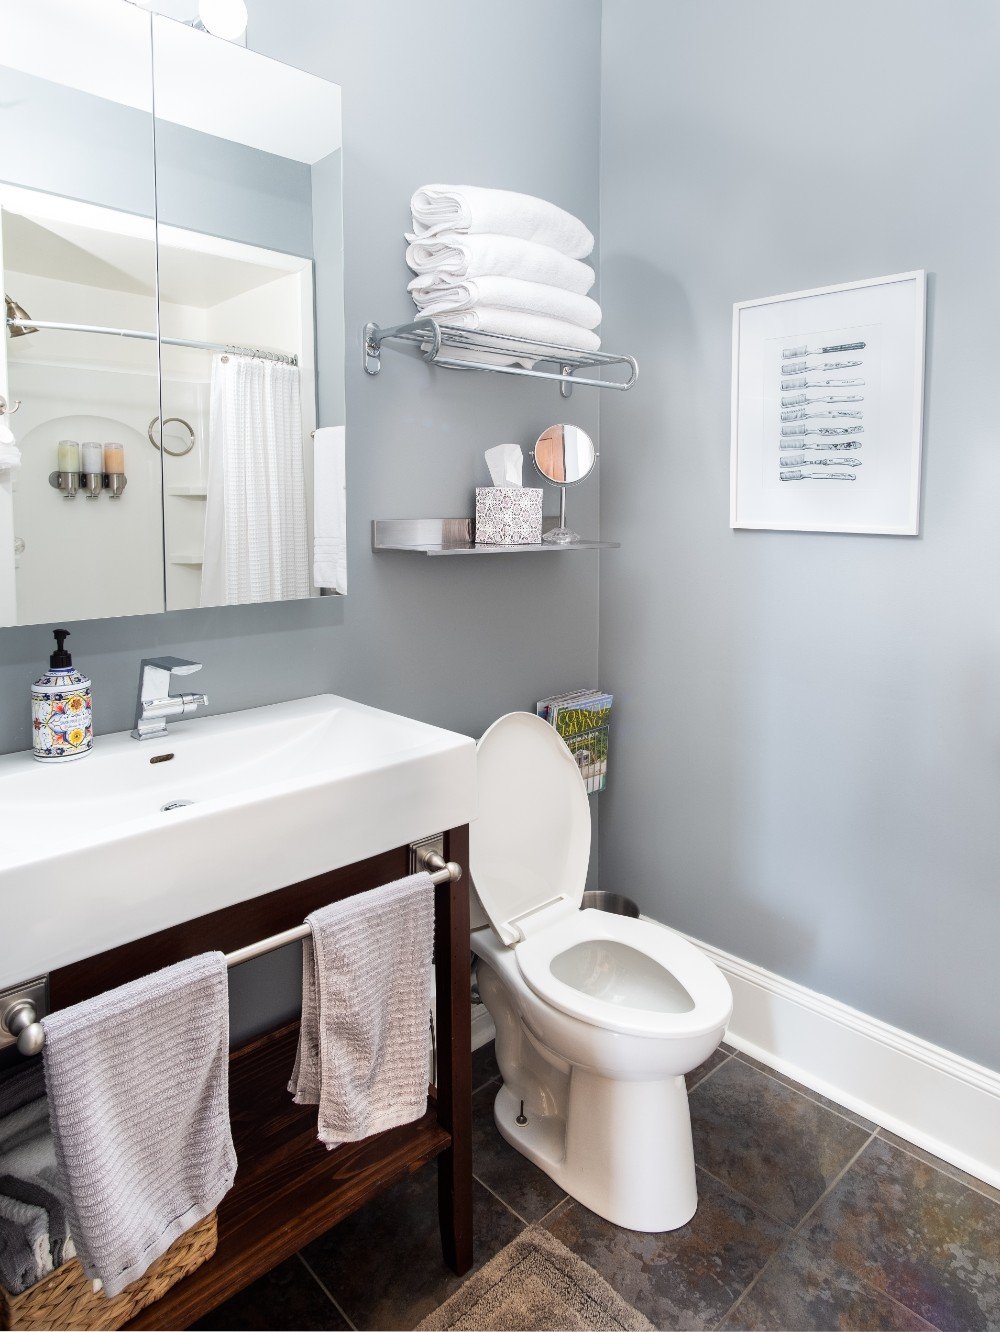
508,516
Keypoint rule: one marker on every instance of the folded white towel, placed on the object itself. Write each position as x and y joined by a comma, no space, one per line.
139,1102
362,1054
330,509
470,208
437,297
538,329
482,254
10,457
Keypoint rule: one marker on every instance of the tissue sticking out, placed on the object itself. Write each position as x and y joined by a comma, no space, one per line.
506,464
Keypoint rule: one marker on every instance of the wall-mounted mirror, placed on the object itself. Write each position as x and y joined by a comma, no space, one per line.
169,334
564,455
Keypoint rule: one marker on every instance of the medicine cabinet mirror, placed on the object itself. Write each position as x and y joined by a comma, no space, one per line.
174,314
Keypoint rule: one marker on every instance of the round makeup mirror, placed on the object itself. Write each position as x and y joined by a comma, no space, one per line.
564,455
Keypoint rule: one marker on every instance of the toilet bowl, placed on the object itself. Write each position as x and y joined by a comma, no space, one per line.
598,1017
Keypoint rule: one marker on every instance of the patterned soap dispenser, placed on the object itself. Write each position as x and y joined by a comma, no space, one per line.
61,709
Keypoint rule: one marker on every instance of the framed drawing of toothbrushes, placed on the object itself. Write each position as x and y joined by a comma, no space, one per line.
828,407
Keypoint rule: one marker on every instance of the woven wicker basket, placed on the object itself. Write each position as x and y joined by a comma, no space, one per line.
67,1299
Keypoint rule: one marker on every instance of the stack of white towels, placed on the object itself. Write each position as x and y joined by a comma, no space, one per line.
493,261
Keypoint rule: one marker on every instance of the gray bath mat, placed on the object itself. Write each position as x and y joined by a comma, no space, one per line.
535,1285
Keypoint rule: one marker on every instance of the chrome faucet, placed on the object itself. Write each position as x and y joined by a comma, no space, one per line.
155,705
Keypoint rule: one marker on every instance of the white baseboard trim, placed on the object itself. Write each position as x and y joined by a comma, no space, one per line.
940,1101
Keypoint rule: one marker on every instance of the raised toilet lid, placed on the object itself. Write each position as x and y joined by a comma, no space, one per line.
531,842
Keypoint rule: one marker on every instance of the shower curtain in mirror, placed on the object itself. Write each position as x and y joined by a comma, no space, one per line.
256,546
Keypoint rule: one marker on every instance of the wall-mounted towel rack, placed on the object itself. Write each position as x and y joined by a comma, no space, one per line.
435,339
19,1007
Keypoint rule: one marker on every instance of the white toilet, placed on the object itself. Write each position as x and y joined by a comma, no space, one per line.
598,1017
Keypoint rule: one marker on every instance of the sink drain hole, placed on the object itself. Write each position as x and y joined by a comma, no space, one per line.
174,804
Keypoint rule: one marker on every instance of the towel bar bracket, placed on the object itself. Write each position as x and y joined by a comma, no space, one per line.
20,1009
422,850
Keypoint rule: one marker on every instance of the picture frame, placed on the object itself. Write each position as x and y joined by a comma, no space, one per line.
828,406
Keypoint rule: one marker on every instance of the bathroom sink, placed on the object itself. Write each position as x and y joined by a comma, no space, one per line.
141,835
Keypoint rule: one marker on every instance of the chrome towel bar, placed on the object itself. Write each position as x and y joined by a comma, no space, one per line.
19,1016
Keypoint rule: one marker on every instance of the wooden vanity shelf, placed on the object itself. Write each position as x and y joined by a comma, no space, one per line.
289,1188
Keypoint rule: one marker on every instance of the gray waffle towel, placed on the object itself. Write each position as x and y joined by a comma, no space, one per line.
362,1053
139,1101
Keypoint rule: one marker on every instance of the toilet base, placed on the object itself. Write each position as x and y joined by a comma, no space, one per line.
624,1149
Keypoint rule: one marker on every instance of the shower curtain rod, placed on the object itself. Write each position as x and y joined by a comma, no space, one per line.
284,357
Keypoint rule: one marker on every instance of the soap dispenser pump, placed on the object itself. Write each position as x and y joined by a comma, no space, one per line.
62,726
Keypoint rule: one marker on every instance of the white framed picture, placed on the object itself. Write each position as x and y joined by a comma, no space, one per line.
828,405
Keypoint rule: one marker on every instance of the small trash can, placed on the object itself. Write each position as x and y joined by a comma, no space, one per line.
613,902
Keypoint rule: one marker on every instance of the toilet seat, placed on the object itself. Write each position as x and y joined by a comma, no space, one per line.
530,845
639,1004
528,854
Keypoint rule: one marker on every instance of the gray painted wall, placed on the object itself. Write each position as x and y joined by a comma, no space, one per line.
452,642
807,726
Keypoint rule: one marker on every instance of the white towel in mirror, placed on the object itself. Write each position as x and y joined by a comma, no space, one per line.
330,509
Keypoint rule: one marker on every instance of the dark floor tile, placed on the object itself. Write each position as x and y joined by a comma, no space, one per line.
835,1106
713,1061
799,1290
508,1174
684,1278
484,1066
286,1297
980,1185
766,1141
383,1265
918,1235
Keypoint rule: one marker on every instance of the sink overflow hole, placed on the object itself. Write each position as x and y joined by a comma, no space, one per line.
174,804
161,758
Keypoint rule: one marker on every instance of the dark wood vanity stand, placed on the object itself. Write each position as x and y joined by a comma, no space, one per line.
289,1188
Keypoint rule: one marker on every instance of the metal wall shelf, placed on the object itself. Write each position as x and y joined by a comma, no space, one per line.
453,536
436,340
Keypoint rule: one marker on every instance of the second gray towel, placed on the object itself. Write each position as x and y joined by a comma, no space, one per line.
366,968
139,1103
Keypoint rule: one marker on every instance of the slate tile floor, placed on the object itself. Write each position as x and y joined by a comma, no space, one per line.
809,1218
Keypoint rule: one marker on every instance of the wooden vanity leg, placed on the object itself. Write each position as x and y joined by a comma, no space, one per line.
454,1058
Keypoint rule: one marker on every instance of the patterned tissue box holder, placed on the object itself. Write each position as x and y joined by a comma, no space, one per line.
508,516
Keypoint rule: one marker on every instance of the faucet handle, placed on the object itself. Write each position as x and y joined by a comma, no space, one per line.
173,665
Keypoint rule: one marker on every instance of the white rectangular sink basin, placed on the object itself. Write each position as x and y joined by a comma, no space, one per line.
103,850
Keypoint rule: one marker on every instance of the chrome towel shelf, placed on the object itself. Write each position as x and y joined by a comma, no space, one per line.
19,1008
436,339
454,536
